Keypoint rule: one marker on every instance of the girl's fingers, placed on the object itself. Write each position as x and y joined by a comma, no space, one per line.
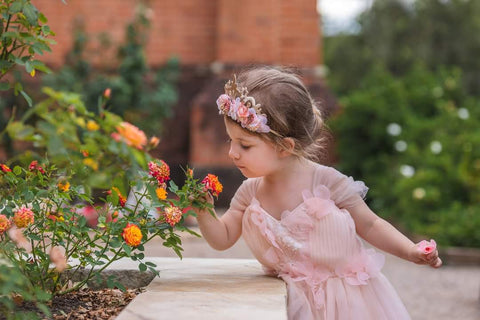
432,256
437,263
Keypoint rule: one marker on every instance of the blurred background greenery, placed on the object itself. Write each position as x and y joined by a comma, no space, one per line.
408,84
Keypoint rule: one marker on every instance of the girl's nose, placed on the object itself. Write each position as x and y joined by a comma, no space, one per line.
232,154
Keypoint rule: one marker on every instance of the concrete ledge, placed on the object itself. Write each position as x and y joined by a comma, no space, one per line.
195,288
133,278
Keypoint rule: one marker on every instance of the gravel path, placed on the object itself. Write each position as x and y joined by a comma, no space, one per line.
451,292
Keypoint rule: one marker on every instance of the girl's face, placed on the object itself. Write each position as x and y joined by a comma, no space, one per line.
253,156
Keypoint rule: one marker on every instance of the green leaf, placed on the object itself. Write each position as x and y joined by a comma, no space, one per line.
43,19
139,157
15,7
173,186
142,267
17,170
127,249
38,65
17,88
27,98
31,14
82,221
115,243
28,67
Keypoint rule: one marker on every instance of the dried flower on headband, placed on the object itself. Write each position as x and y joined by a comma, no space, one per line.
236,104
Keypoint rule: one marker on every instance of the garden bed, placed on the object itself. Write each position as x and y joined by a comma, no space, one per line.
89,304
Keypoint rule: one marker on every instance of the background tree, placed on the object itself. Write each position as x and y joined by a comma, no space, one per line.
396,34
408,88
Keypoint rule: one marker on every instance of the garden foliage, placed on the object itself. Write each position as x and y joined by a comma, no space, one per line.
81,189
412,139
85,195
23,34
407,81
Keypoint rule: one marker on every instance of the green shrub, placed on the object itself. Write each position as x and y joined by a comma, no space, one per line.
15,289
412,140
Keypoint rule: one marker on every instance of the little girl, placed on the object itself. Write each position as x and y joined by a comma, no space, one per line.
299,218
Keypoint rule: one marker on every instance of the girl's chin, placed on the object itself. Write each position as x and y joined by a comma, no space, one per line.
244,172
247,174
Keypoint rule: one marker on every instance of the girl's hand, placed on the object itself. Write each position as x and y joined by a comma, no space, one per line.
206,198
425,252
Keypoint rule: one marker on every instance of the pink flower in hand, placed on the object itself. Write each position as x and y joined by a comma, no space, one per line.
427,247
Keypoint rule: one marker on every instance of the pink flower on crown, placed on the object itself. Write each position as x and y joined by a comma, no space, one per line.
242,111
234,109
240,107
252,115
223,103
259,124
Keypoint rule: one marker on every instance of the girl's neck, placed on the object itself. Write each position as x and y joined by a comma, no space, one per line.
292,168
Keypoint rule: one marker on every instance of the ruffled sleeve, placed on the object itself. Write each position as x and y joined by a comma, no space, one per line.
243,197
345,191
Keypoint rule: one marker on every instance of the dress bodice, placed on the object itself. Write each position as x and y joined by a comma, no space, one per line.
316,238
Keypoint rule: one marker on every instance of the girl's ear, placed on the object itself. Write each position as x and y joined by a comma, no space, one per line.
289,146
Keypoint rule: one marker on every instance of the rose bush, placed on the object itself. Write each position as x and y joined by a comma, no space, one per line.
86,193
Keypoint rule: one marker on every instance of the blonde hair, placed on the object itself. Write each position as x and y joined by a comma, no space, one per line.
290,110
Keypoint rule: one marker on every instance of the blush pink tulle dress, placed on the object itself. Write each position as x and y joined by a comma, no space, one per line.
316,251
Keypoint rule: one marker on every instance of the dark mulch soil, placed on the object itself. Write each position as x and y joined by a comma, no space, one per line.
88,304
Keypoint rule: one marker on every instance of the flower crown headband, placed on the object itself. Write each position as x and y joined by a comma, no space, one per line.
242,108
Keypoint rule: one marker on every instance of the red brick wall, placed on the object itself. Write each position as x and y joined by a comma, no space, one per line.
197,31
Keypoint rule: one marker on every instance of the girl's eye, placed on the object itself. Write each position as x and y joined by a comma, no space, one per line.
228,140
244,147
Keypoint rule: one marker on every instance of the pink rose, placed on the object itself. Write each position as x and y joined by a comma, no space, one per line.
242,111
57,256
427,246
223,103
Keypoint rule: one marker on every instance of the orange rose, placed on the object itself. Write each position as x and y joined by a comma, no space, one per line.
154,141
63,186
23,217
131,135
132,235
4,223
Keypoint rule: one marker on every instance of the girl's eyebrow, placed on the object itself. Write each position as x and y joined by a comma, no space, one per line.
247,139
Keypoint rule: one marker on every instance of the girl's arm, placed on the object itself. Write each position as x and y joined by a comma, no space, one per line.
384,236
220,233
